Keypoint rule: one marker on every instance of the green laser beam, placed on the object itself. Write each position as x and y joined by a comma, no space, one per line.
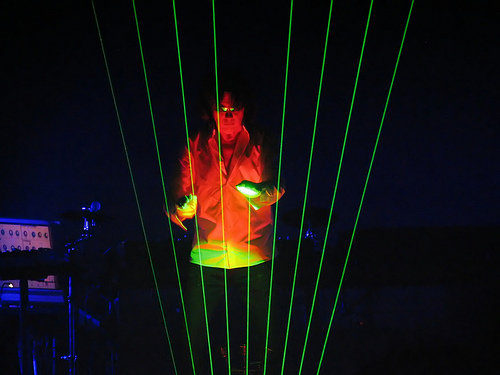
316,288
248,289
155,136
224,244
199,256
134,187
279,171
202,278
280,157
304,208
365,187
192,184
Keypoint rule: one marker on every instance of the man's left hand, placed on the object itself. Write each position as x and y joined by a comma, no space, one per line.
250,189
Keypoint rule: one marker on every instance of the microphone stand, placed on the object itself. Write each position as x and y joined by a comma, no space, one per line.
87,225
71,357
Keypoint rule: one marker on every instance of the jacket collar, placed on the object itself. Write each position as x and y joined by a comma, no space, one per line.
239,150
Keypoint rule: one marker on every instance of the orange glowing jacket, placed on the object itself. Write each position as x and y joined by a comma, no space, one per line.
233,230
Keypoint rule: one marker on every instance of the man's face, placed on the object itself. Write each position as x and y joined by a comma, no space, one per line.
229,120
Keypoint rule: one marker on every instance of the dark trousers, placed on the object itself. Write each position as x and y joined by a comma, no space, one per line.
256,278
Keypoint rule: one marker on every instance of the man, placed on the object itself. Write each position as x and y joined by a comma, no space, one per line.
226,181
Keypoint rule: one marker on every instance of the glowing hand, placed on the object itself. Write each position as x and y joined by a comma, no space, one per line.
186,207
250,189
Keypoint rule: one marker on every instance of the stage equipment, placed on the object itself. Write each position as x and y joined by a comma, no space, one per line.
18,235
85,295
87,216
312,226
26,261
40,300
28,266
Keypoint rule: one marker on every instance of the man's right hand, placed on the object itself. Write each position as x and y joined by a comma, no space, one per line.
186,207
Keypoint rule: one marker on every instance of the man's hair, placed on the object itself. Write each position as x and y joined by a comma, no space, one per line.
231,81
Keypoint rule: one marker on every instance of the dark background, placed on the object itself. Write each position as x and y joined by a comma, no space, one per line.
435,171
436,163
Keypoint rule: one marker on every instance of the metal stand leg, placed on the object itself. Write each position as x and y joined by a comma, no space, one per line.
72,354
71,357
25,357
